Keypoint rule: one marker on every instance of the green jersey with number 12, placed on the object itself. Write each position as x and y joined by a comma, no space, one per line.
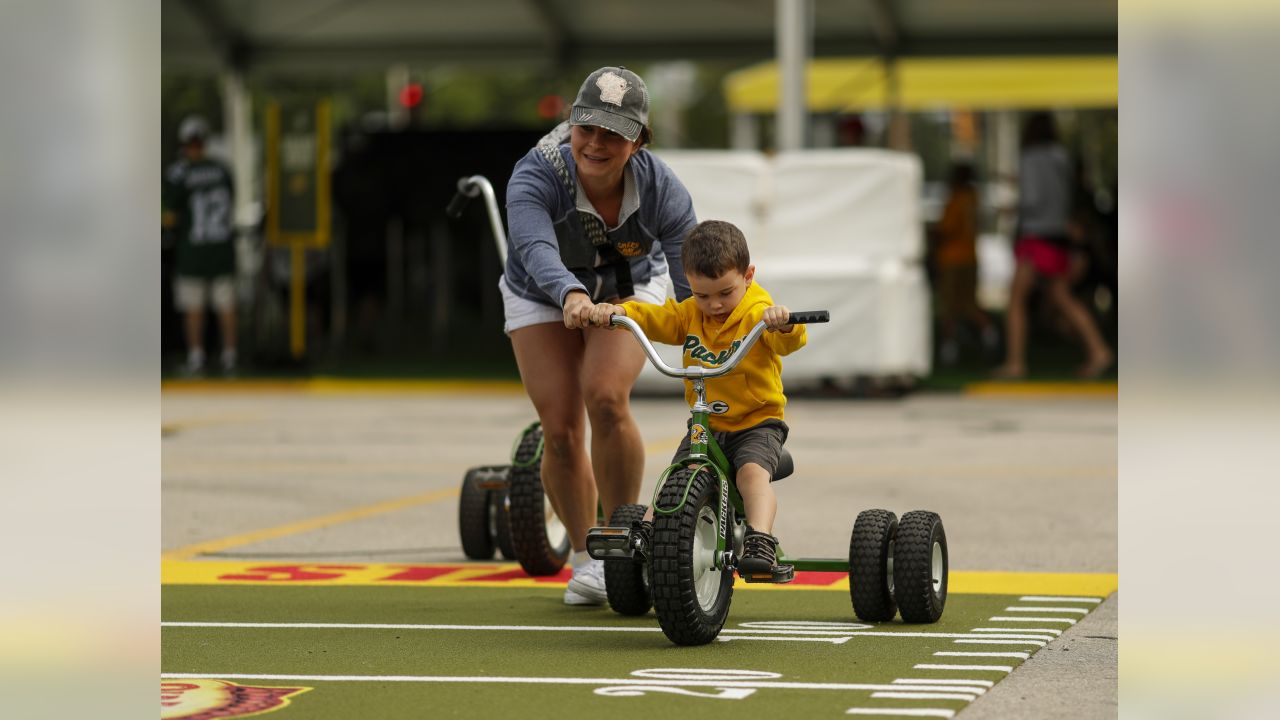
199,193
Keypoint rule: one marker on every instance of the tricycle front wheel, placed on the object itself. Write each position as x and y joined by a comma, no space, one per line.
691,595
538,538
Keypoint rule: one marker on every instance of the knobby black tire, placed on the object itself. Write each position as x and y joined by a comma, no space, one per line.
920,598
870,574
625,581
473,518
538,554
500,507
675,595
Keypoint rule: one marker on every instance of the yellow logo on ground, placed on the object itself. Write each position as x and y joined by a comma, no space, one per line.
201,699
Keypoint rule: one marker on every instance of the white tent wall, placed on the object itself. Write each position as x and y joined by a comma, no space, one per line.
836,230
725,185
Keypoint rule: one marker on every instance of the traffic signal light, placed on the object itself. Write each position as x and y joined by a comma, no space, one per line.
411,95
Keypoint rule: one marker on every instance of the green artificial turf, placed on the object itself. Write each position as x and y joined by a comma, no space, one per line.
470,653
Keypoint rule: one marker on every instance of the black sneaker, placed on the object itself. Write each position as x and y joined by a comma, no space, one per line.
643,530
759,554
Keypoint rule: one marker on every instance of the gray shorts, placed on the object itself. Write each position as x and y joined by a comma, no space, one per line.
760,444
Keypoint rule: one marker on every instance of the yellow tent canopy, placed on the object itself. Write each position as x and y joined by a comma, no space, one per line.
974,83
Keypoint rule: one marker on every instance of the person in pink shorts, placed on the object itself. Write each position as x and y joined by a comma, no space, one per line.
1041,250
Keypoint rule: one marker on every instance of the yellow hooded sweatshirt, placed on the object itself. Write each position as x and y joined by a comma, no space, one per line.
753,391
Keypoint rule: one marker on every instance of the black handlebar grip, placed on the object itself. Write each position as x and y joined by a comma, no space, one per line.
457,205
805,317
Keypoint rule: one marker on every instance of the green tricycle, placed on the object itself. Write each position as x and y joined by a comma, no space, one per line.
686,572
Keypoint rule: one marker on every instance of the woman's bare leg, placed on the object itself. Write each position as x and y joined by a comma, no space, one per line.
1099,353
1015,363
550,359
610,366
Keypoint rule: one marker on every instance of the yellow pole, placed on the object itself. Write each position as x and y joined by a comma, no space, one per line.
323,121
298,300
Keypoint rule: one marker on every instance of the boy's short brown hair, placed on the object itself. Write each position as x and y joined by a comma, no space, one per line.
713,248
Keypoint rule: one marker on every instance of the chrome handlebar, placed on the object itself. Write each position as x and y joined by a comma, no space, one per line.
696,371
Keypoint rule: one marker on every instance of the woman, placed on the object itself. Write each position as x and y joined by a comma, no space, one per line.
593,217
1044,211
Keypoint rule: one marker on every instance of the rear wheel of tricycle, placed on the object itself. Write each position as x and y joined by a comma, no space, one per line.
871,565
473,518
626,581
920,567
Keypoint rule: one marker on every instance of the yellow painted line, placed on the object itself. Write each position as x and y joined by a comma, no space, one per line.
184,571
1033,583
1042,389
303,526
342,386
197,466
170,428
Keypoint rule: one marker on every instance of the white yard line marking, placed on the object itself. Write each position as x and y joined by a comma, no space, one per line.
924,696
841,635
1013,631
707,682
399,626
946,681
936,688
934,666
1037,643
1051,598
933,686
1078,611
1013,636
908,712
1005,618
833,641
951,653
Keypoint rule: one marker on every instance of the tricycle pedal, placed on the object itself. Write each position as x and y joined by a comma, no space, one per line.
780,575
611,543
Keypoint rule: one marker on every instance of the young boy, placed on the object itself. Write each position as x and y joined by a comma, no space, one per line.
724,307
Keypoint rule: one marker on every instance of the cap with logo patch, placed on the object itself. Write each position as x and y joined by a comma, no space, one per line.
615,99
192,128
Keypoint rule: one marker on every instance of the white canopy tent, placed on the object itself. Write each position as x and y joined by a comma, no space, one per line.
836,230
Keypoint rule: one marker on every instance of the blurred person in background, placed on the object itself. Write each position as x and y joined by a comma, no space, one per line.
1043,236
1093,262
956,259
593,217
198,202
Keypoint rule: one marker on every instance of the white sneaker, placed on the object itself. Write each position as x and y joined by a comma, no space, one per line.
586,587
194,366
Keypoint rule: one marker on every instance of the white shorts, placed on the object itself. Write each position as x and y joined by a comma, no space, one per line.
191,293
523,313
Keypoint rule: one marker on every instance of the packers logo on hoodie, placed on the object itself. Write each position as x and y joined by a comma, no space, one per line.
697,351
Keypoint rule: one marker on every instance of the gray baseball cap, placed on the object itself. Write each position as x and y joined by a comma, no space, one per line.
193,127
615,99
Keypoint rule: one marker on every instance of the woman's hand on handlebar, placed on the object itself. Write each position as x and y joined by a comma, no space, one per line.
602,314
775,318
577,309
